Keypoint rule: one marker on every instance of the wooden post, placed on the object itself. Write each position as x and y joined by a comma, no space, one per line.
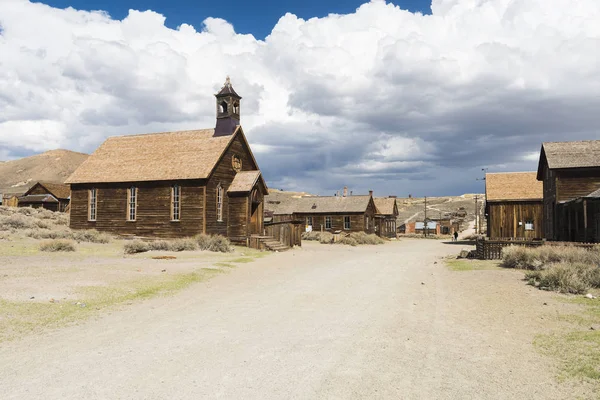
585,221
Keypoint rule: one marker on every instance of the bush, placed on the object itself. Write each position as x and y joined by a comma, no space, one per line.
57,245
203,241
364,238
312,235
220,243
536,258
566,277
184,245
347,240
16,221
48,234
326,237
91,236
61,219
45,214
160,245
27,210
136,246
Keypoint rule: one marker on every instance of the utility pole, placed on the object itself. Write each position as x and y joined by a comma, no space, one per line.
476,215
425,219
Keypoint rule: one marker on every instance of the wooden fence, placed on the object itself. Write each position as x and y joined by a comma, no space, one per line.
287,232
492,249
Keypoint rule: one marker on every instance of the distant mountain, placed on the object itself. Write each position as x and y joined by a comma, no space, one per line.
17,176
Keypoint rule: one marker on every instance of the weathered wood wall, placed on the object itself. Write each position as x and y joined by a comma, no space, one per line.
62,203
224,174
504,218
153,211
287,233
238,218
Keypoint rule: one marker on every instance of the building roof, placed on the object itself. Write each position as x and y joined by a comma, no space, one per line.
154,157
580,154
595,194
244,181
385,205
323,205
227,89
513,186
58,190
38,198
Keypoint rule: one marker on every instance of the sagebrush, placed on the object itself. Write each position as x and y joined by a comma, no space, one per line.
566,269
57,245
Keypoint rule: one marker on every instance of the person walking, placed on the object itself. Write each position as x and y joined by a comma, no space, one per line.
455,236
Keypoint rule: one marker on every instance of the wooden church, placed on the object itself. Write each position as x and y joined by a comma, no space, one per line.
174,184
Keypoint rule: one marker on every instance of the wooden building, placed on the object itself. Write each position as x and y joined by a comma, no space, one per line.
48,195
385,218
514,206
174,184
570,172
328,213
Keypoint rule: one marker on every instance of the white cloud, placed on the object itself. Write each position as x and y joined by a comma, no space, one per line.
381,98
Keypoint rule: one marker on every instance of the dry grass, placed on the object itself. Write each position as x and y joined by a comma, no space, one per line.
57,245
566,269
352,239
215,243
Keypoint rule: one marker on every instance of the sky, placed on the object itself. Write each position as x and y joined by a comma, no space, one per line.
400,98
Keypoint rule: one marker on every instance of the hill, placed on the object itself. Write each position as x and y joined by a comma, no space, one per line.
17,176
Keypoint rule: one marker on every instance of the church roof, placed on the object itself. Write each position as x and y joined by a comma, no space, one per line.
154,157
227,89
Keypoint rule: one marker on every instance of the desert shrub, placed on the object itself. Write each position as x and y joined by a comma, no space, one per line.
49,234
91,236
566,277
347,240
203,241
535,258
325,237
364,238
160,245
5,236
521,257
26,210
220,244
57,245
184,245
16,221
312,235
61,219
135,246
45,214
43,224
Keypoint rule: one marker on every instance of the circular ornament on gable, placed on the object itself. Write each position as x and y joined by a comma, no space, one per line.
236,163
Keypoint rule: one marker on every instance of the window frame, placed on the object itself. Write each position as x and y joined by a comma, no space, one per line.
309,220
219,202
328,222
529,222
132,192
175,203
92,205
347,223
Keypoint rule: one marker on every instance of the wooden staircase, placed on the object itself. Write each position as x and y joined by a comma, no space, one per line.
270,243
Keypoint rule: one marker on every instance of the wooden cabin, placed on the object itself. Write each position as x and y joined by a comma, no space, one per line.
174,184
570,172
385,218
328,213
48,195
514,206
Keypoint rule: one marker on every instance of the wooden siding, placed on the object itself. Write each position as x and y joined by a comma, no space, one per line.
578,183
38,189
153,212
238,214
357,222
504,218
224,174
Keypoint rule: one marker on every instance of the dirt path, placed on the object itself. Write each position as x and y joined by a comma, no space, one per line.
323,322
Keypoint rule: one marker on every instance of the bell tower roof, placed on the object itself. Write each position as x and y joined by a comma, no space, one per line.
227,90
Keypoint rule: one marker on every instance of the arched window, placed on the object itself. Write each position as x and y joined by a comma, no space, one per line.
220,203
223,107
175,202
131,203
236,108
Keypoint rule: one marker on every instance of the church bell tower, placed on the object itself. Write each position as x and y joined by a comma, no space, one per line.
228,110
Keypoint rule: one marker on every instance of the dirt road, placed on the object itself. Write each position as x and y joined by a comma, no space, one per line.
323,322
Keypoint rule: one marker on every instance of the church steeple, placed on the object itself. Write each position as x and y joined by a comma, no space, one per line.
228,110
